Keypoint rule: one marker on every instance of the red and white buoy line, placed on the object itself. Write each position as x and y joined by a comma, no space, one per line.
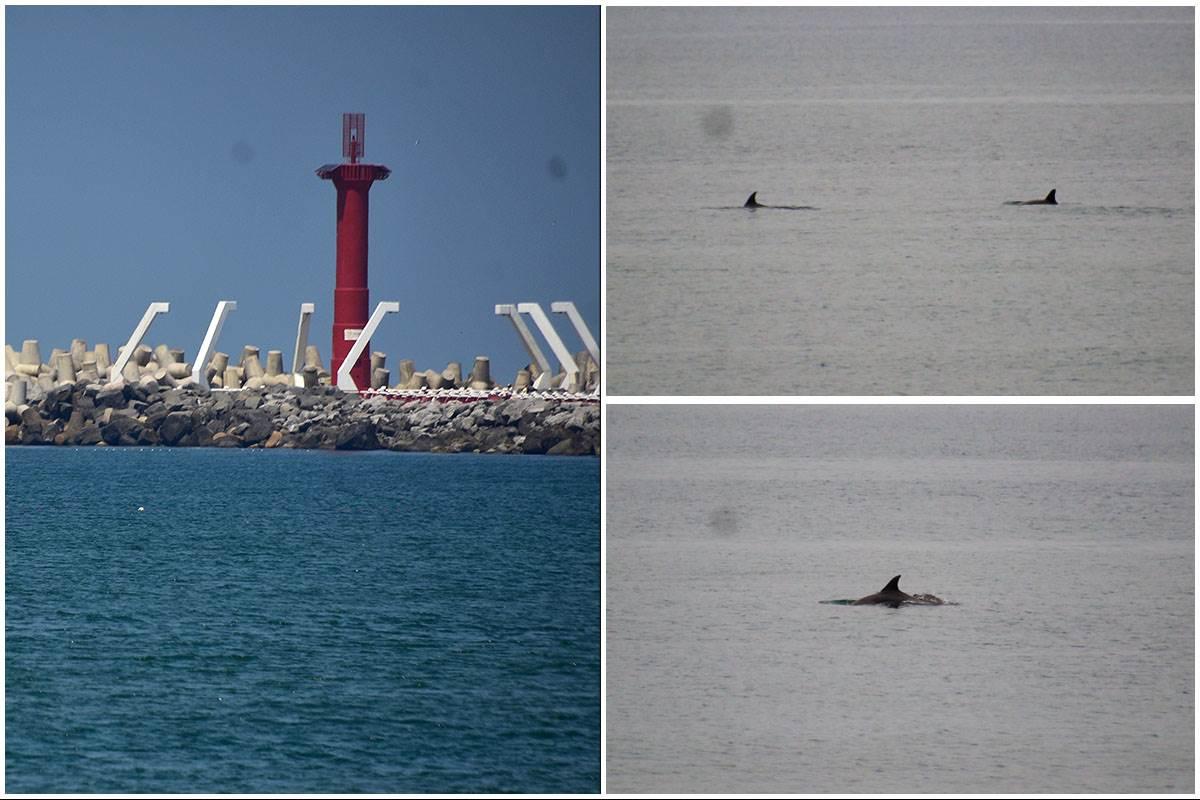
475,395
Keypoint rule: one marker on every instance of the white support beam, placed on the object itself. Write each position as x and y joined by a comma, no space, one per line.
126,352
531,346
556,344
344,381
568,308
306,312
200,365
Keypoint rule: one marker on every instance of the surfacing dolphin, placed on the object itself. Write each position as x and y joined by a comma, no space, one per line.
752,203
1048,200
889,595
892,597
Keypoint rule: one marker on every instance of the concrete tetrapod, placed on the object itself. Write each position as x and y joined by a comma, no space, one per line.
31,354
215,374
481,374
312,357
66,368
406,371
142,355
89,371
103,358
275,374
162,356
251,366
78,348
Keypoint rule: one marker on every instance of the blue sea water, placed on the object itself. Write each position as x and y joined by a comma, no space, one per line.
289,621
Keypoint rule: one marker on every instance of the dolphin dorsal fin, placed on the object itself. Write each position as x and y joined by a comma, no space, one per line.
1050,197
751,201
893,585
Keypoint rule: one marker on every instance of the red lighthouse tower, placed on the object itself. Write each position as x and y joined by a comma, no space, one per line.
351,296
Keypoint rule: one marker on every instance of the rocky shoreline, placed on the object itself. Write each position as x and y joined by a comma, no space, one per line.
321,417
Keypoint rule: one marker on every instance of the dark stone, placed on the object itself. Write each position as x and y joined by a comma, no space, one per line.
155,415
136,391
85,389
457,445
359,435
84,403
537,444
31,425
422,443
568,447
51,432
530,423
228,440
113,397
202,434
89,434
121,427
74,425
56,403
494,439
258,426
174,400
148,437
221,402
175,426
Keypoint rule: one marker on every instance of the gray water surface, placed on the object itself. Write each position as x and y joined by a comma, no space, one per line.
907,130
1063,537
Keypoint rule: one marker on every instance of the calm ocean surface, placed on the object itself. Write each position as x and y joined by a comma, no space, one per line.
301,622
1063,535
907,129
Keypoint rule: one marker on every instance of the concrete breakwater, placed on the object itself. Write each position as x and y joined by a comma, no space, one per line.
146,413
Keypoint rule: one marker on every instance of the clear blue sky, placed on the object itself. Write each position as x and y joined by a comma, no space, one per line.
168,154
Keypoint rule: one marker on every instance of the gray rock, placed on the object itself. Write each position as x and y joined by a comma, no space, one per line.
57,401
176,399
360,435
88,435
32,426
175,426
202,436
258,426
155,414
568,447
121,430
